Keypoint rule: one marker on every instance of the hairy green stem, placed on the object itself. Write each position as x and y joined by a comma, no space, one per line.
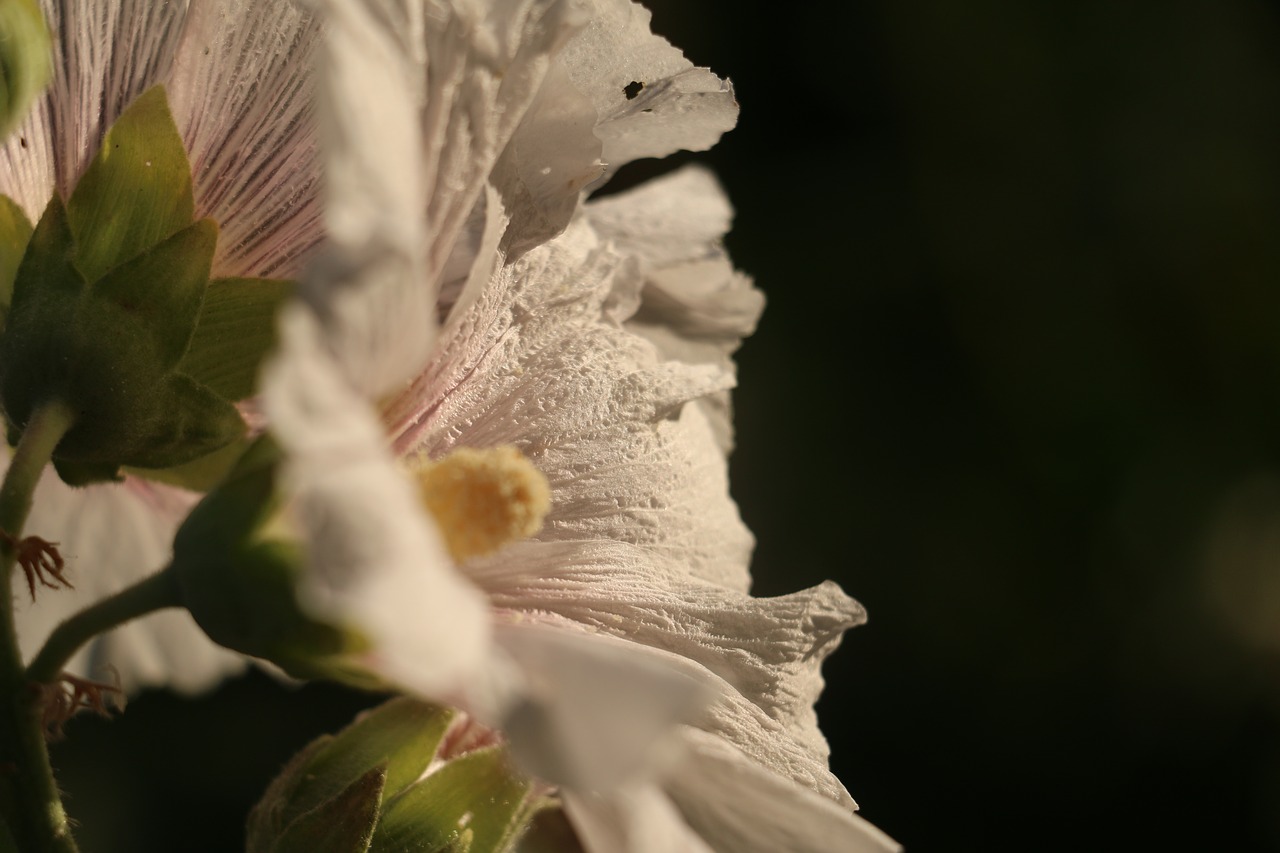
29,799
147,595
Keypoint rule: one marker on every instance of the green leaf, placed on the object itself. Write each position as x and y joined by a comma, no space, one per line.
26,59
136,191
342,824
477,794
237,329
15,233
163,288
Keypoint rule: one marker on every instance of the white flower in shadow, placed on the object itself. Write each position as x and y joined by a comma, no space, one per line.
469,299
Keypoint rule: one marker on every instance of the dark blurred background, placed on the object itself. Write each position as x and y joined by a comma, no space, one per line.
1016,389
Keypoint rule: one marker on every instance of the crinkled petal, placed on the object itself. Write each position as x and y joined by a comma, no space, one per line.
374,560
739,807
770,650
542,361
242,94
637,819
676,105
695,307
485,63
112,536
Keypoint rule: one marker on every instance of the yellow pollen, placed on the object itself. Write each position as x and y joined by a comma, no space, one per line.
483,499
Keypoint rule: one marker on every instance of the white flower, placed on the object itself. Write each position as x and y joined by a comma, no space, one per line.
603,355
237,73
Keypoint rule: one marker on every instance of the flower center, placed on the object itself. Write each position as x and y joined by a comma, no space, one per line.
483,499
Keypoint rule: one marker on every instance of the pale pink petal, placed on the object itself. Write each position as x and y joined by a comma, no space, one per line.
112,536
236,75
739,807
242,94
106,53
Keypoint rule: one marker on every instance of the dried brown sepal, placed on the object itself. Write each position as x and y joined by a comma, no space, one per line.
40,560
62,699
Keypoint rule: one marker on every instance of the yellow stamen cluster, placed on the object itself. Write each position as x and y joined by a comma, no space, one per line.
484,499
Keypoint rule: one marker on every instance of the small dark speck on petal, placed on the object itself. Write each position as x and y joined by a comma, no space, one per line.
632,89
22,140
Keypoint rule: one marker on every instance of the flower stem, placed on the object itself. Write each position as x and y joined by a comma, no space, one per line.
29,800
149,594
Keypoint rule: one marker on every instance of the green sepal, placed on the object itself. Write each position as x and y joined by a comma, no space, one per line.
239,577
26,59
163,288
399,737
237,329
196,422
478,794
136,191
198,475
107,353
15,233
47,291
267,819
342,824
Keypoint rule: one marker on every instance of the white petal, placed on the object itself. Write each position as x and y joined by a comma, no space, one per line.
553,155
679,106
484,65
370,285
588,710
738,807
242,94
541,361
695,308
375,561
769,650
106,53
638,819
112,536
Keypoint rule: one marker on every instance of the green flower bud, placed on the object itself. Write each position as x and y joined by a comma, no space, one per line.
238,566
